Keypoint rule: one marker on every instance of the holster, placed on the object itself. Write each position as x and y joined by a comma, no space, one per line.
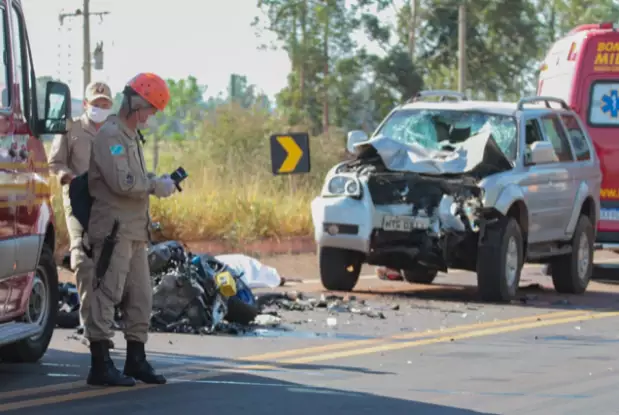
103,262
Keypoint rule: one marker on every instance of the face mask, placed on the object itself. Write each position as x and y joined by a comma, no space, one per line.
148,123
98,115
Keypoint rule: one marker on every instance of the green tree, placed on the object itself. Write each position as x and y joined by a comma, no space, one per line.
497,44
558,17
317,35
181,118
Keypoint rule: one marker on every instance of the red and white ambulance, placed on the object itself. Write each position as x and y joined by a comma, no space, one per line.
583,69
28,277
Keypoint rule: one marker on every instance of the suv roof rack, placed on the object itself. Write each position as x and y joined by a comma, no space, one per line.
443,93
546,100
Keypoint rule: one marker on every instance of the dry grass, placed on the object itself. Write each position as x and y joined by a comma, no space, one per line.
230,192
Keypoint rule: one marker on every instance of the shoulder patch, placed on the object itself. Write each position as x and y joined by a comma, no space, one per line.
117,150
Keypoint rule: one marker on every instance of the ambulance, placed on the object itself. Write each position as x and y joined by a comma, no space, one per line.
28,275
583,69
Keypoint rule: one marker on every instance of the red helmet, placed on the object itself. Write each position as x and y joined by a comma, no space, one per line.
152,88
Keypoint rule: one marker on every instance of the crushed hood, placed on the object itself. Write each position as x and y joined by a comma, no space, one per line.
479,153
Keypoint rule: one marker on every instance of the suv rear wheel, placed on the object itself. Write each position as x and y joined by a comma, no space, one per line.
571,273
42,310
339,268
499,261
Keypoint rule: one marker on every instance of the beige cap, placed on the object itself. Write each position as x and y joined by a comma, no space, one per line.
96,90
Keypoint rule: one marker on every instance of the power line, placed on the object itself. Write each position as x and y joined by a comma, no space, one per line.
85,13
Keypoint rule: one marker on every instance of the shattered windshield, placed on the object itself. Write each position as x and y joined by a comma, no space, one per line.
436,129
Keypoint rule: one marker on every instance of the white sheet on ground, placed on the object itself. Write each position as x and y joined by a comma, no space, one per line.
255,273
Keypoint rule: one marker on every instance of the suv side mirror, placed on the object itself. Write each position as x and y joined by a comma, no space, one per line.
542,152
354,137
57,109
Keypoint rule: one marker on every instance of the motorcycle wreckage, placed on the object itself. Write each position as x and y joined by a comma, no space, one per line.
193,292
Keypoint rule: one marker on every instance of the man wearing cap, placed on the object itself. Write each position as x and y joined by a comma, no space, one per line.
69,157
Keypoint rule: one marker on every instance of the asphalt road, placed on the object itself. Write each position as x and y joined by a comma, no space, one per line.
437,351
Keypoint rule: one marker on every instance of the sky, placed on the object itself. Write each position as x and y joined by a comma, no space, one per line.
209,39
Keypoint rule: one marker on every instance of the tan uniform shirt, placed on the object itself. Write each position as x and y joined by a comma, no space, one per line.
119,183
70,152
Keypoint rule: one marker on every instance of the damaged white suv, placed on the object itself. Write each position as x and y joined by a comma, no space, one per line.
479,186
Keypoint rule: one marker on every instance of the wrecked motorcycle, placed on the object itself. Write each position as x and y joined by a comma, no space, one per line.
197,291
193,292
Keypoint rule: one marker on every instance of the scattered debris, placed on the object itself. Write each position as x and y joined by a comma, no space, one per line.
389,274
533,286
68,306
267,320
185,301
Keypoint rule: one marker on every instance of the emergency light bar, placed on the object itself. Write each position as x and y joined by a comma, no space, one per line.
593,26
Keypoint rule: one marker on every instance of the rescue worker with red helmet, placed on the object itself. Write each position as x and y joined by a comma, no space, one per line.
120,187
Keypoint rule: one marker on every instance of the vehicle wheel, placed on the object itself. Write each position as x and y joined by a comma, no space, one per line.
240,312
499,261
571,273
42,310
420,275
339,268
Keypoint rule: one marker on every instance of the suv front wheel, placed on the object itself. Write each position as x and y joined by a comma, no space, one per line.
571,273
499,261
339,268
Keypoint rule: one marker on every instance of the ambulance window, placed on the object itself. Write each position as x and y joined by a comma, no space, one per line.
553,130
4,62
604,105
18,43
577,137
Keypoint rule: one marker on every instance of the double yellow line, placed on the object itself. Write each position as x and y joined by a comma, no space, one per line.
274,360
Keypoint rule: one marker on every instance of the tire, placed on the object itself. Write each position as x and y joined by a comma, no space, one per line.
32,349
339,268
493,279
240,312
567,275
420,275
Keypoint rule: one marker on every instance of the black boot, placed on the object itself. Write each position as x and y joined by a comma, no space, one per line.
137,367
102,369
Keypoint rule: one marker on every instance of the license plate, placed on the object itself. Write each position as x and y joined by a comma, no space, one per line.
405,223
609,214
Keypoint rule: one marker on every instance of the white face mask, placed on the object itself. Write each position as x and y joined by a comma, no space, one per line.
149,123
97,115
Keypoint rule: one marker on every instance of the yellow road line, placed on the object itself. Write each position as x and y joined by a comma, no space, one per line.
444,339
74,385
96,392
305,351
359,343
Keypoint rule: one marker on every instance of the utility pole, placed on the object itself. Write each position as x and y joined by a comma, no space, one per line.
85,13
86,37
462,47
412,30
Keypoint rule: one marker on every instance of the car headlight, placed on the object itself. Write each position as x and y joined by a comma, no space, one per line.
343,186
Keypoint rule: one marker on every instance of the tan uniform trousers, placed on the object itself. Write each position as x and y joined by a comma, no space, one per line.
82,266
126,283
